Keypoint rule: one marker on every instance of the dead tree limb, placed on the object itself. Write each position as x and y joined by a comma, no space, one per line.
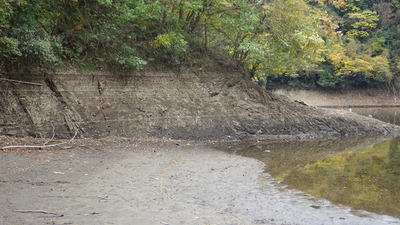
52,137
36,211
38,146
20,81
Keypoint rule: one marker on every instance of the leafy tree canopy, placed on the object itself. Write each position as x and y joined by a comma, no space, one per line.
324,39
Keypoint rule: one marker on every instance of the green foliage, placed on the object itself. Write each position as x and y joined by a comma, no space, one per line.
366,47
129,32
328,42
349,61
171,45
129,58
376,44
36,46
327,78
362,23
280,37
5,13
9,48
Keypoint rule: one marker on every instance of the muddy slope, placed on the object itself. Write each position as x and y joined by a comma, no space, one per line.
195,104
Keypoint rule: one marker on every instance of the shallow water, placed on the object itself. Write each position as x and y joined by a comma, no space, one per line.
389,115
124,182
359,172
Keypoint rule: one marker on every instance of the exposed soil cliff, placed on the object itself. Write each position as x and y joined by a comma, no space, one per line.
193,104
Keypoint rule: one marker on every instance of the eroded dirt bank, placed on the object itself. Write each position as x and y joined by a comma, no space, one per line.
369,97
193,104
130,181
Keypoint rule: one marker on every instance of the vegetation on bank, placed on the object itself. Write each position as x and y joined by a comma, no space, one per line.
302,43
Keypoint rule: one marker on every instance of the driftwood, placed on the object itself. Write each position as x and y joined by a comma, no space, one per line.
20,81
45,145
36,211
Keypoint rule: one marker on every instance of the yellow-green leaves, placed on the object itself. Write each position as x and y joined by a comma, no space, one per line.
363,23
294,37
349,61
173,41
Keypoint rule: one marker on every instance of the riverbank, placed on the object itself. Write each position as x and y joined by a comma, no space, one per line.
207,103
351,98
137,181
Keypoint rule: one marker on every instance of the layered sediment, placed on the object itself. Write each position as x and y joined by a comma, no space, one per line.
189,104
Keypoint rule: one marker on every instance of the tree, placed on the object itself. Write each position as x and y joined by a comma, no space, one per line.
349,61
276,37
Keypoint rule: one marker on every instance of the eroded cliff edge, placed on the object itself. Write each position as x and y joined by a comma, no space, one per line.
191,104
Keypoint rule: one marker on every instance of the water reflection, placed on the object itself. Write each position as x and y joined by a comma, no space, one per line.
364,179
349,170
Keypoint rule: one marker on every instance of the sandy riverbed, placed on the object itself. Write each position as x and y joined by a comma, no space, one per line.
126,181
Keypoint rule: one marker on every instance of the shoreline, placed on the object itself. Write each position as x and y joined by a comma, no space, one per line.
120,181
359,106
352,98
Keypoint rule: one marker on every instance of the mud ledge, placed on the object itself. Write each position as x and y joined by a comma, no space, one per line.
345,98
192,104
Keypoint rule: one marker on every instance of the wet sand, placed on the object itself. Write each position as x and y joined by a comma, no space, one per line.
126,181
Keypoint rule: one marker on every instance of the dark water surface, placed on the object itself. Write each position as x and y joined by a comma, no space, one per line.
361,172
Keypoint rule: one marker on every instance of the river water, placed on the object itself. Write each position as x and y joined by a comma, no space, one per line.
360,172
390,114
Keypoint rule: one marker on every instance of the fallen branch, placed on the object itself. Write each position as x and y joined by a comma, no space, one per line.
52,137
38,146
20,81
36,211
